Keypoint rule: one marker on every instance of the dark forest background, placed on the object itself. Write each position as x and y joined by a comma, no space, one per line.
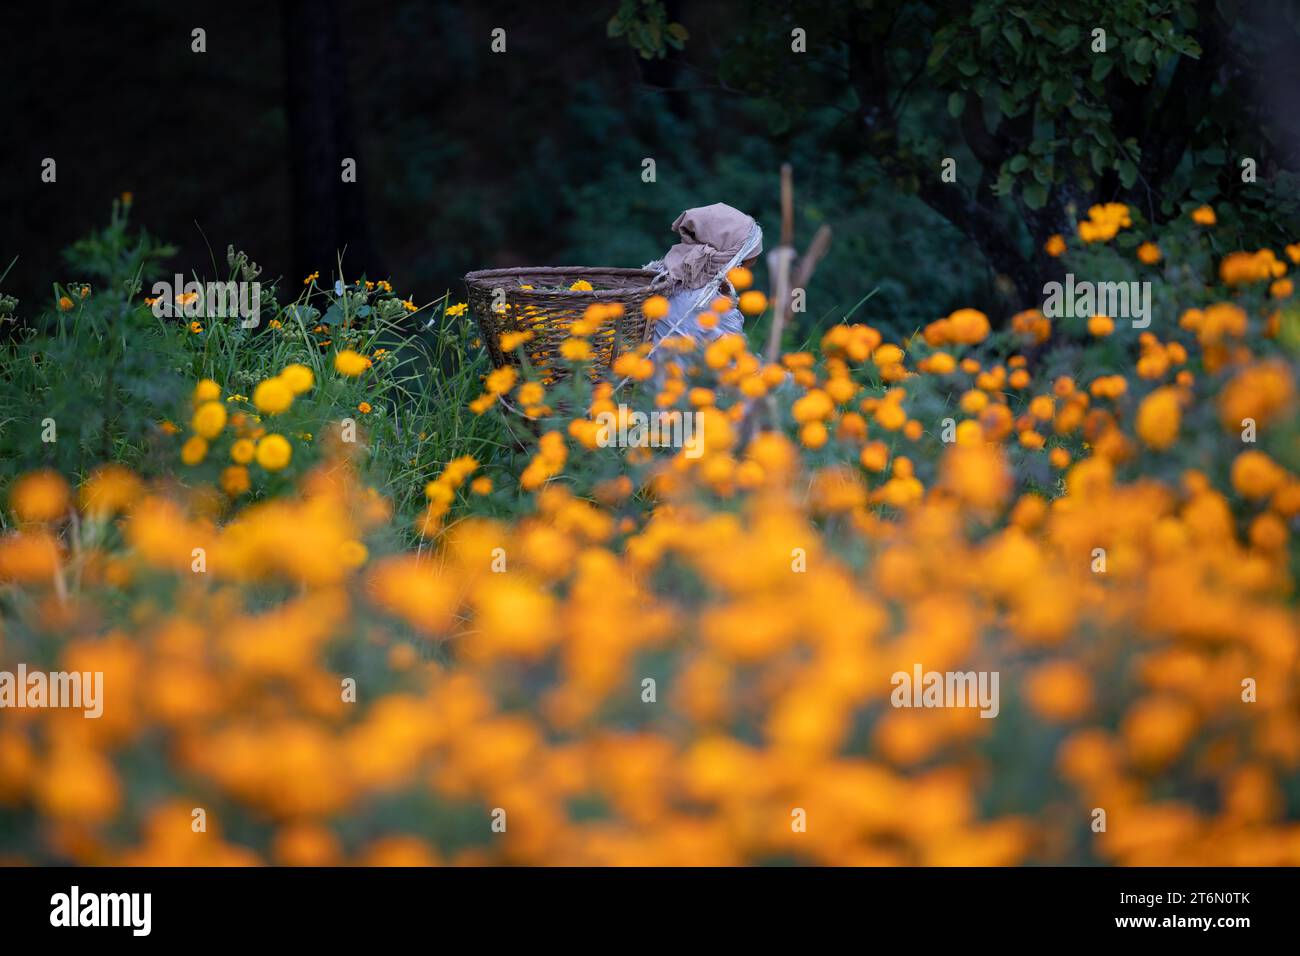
469,159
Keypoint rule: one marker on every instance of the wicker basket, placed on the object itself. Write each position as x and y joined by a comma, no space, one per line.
550,307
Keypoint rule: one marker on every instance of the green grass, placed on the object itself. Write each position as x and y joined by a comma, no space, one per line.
108,372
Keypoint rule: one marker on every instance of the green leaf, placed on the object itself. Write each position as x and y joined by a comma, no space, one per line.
956,103
1012,36
938,53
1128,173
1035,195
1018,163
1099,160
1142,51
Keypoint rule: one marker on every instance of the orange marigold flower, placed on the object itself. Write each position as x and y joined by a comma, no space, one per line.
1255,475
40,496
753,302
1159,418
1149,253
350,363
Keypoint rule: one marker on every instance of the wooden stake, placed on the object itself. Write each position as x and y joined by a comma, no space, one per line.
787,205
779,261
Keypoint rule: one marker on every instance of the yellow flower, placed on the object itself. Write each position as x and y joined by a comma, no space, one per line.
1100,326
1059,691
977,474
1033,324
274,452
298,377
350,363
242,451
875,456
110,489
353,553
1104,221
40,496
973,401
272,396
1149,253
500,381
814,406
1241,267
1156,729
753,302
235,481
531,393
576,350
968,326
206,391
1260,392
813,435
458,309
64,303
1109,386
655,308
1204,216
886,355
209,419
194,450
740,278
196,327
1055,245
1255,475
512,340
364,408
582,285
1159,418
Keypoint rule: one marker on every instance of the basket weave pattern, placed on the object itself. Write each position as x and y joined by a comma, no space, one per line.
550,307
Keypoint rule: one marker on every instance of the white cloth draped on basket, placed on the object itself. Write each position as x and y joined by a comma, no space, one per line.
715,240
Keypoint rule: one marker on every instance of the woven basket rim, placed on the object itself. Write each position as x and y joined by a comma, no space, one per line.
657,280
